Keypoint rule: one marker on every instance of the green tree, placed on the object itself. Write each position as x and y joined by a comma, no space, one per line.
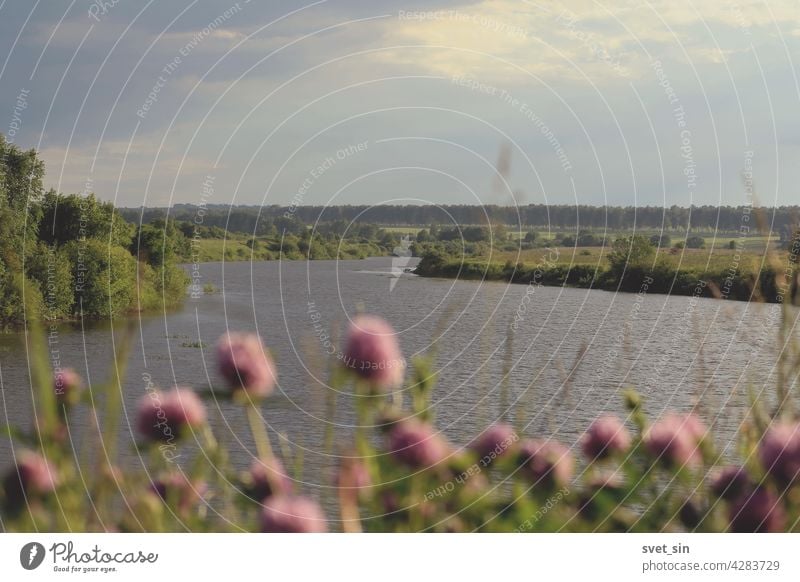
104,276
587,239
661,240
21,179
695,242
17,293
72,217
630,251
51,269
160,243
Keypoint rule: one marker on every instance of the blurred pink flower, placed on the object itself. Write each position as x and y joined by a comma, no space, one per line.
67,385
178,489
353,478
695,426
31,477
494,442
416,444
779,452
267,478
165,416
245,364
36,474
730,482
675,439
606,436
757,511
372,352
546,460
292,514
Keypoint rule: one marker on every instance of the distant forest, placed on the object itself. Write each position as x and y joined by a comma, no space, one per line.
262,220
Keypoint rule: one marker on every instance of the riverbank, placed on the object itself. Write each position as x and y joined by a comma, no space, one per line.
241,248
770,284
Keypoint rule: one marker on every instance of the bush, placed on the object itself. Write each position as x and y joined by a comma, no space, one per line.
662,241
51,269
568,241
695,242
17,293
587,239
631,251
105,278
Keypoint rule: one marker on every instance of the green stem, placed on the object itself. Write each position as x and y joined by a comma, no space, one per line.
263,447
260,434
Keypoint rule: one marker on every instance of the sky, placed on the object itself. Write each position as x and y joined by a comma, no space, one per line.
619,102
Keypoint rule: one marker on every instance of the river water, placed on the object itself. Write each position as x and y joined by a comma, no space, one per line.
570,356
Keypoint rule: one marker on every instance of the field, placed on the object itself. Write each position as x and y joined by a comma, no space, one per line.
692,259
231,249
716,257
718,239
755,268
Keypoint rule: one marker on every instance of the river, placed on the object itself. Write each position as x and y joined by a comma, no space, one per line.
572,352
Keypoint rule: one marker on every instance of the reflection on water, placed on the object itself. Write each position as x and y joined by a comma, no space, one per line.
571,354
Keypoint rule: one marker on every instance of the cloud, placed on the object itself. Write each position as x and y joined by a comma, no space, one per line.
261,82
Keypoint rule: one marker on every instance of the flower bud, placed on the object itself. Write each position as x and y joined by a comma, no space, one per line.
166,416
33,476
675,440
547,461
606,436
372,352
267,478
757,511
292,514
730,482
245,365
416,444
67,385
494,442
779,452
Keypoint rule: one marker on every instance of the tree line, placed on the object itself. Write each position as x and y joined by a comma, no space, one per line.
263,220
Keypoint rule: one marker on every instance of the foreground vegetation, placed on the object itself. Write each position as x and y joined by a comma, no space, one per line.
398,473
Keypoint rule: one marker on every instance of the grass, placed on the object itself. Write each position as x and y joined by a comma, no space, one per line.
230,249
690,259
719,239
404,229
